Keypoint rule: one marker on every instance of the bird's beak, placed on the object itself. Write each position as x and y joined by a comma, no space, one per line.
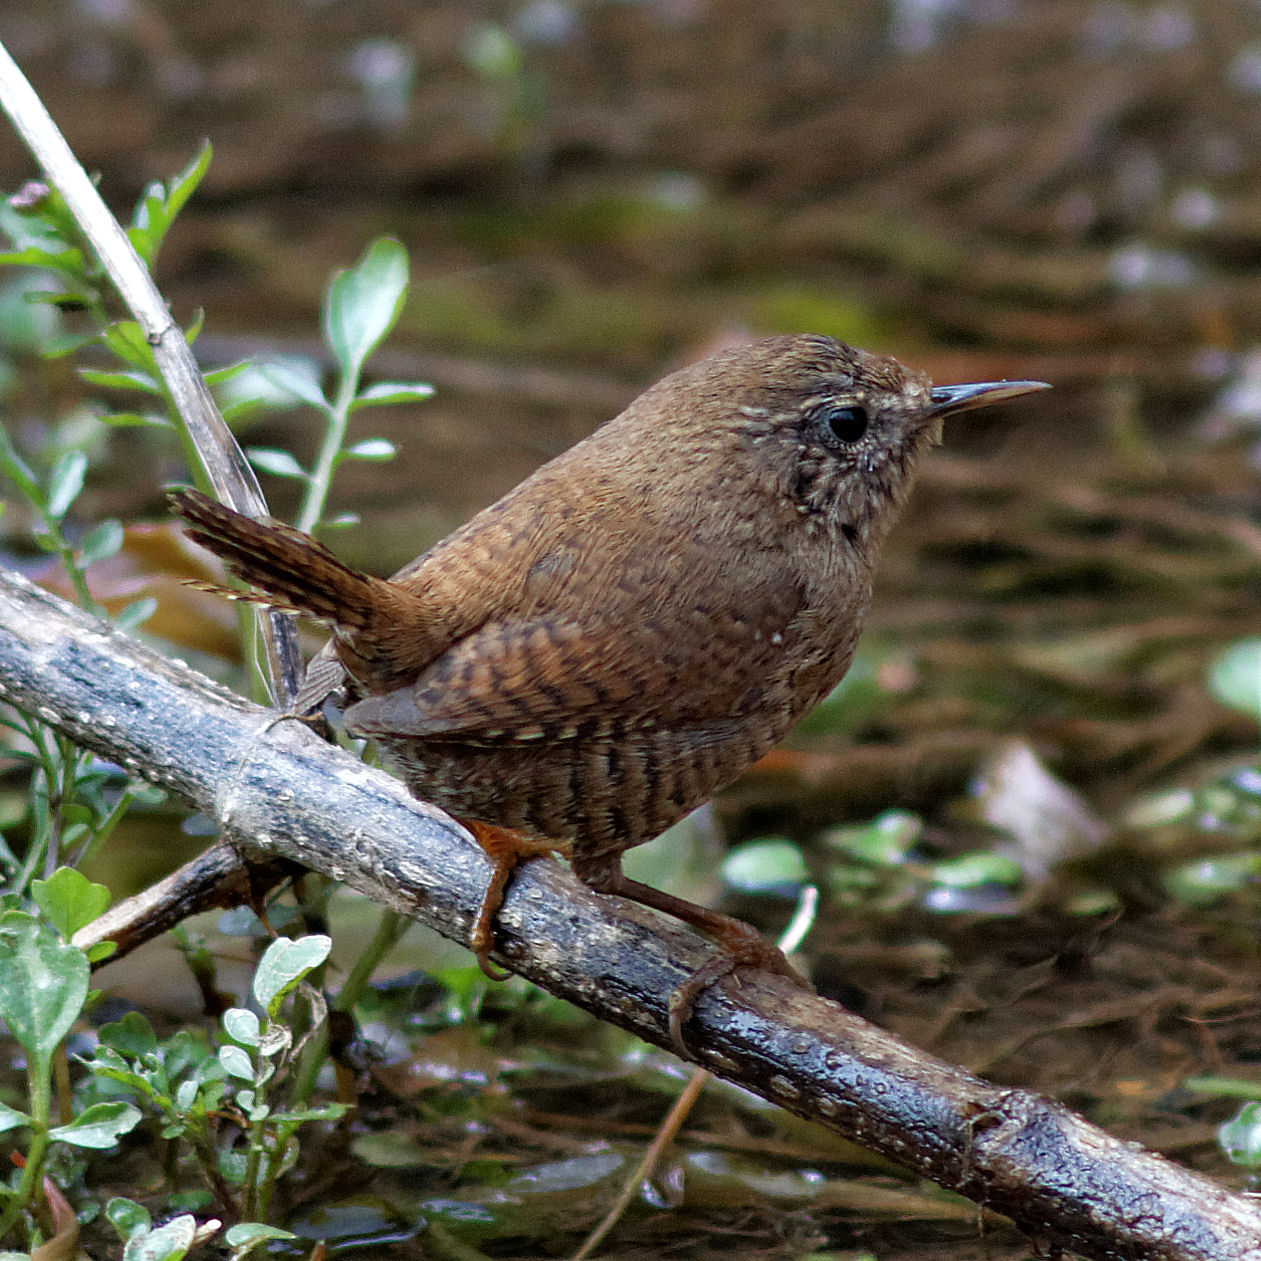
947,400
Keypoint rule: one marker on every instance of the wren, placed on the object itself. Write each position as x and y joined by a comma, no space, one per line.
619,637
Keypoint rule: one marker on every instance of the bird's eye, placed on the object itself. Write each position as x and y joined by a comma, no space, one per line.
845,424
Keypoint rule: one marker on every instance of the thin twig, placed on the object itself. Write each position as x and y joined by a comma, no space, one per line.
212,445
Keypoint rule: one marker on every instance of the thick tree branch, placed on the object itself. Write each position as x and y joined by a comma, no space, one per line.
282,795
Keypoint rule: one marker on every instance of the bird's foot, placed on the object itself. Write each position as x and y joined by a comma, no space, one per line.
741,947
505,849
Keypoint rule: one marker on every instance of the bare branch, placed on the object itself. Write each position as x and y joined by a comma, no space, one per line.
209,441
281,794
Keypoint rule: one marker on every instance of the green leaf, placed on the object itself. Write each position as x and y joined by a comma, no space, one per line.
70,900
375,449
241,1025
127,1217
16,469
138,1083
233,1165
245,1233
278,463
183,185
293,379
284,963
217,376
68,261
977,867
99,1126
43,984
169,1242
1240,1137
11,1118
236,1063
120,380
161,203
136,420
132,1036
1204,881
767,866
1235,677
137,612
329,1112
385,393
100,543
341,521
884,842
65,482
364,302
127,340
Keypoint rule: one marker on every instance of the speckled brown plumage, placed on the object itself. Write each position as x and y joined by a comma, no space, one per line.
617,638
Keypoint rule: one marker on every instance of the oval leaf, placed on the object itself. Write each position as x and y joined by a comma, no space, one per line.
99,1126
363,303
127,1217
1240,1137
11,1118
278,463
387,392
236,1063
293,379
241,1025
253,1232
169,1242
376,449
284,964
100,544
65,482
43,984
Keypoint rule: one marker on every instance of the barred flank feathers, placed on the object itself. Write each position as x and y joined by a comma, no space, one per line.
289,568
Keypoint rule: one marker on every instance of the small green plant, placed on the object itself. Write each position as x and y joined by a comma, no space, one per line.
1228,806
229,1106
43,989
1225,810
233,1109
362,306
225,1105
880,863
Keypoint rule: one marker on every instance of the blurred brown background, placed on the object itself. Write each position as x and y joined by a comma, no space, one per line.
593,192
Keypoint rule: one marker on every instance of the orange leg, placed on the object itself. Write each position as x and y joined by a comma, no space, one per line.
741,945
505,849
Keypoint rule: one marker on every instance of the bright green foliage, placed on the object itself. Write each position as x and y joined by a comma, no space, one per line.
1240,1137
69,900
43,986
160,204
190,1086
361,308
364,302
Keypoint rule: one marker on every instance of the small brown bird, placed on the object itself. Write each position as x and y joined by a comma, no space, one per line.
620,636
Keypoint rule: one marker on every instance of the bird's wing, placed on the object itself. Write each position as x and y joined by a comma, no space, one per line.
565,674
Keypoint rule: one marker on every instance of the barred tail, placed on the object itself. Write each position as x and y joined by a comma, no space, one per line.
288,569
